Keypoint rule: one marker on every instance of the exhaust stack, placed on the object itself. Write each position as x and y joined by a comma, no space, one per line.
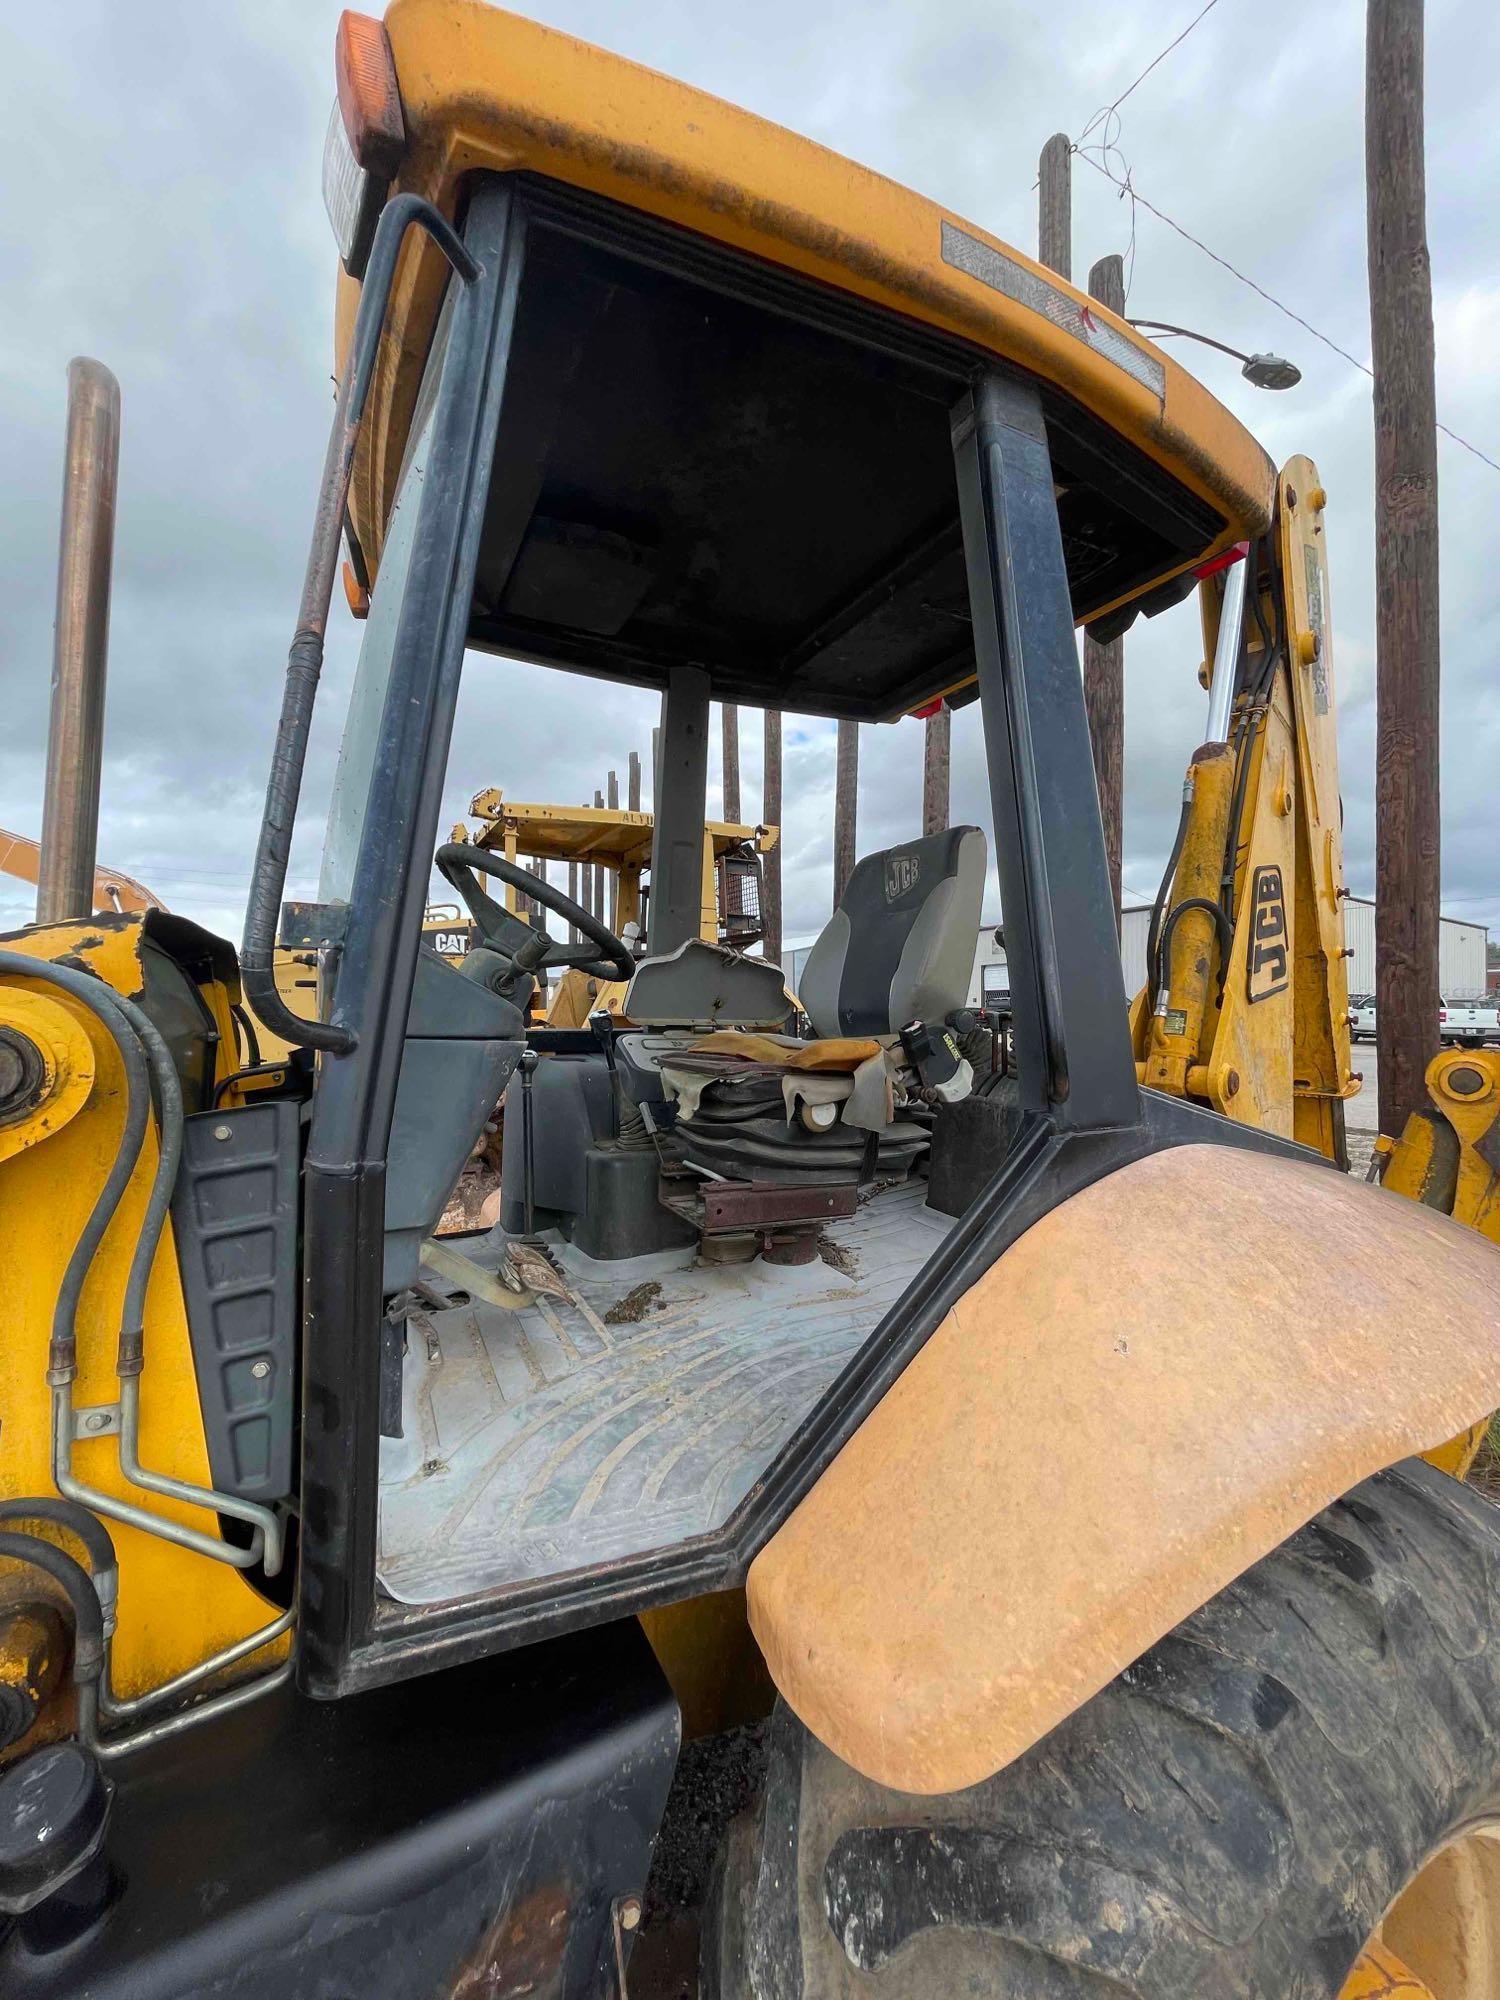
75,732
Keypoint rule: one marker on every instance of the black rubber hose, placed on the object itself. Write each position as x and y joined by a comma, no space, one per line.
85,1527
88,1618
139,1042
241,1076
1158,908
169,1156
100,999
1246,746
246,1022
1221,924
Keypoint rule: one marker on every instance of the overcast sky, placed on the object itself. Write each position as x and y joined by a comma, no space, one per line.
160,208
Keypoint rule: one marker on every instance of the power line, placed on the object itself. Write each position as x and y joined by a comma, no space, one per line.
1105,111
1127,187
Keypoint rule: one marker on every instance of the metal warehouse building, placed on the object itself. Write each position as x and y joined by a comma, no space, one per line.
1461,954
1461,950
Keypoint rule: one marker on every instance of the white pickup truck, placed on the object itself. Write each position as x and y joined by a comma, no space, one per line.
1469,1021
1362,1017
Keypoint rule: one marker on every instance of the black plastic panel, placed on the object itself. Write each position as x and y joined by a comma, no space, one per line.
235,1219
467,1835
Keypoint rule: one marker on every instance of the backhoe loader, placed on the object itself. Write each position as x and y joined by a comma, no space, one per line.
1069,1543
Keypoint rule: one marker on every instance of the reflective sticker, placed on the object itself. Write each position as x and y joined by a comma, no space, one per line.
1313,570
1003,274
1268,966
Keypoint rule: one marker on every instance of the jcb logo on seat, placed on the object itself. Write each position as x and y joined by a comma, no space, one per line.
1268,968
901,873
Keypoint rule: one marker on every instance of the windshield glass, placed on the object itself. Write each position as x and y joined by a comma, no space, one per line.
351,784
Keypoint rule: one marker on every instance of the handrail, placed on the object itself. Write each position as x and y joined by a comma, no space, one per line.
305,658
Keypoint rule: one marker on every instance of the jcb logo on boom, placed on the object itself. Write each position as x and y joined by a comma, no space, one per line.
1269,968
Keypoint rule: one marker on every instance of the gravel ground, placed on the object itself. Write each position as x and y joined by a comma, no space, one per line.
1362,1113
717,1778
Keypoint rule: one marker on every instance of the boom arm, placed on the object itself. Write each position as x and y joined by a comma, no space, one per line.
1246,1001
20,857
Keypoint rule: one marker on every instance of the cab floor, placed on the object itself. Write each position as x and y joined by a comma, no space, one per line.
566,1435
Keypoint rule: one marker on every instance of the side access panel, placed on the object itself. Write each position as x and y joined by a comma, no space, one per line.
469,1833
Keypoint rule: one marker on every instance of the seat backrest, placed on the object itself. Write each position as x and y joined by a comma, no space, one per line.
900,945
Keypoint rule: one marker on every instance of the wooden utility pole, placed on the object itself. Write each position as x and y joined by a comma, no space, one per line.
1104,665
936,744
633,782
612,793
730,717
770,815
586,884
845,807
1407,871
1055,205
599,872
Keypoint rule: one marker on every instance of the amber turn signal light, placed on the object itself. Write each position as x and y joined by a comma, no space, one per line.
369,101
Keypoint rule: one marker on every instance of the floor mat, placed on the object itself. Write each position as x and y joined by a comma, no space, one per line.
565,1435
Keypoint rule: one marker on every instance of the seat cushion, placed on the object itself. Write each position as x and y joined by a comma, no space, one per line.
839,1055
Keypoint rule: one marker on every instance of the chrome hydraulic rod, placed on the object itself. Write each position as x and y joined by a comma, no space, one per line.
1224,685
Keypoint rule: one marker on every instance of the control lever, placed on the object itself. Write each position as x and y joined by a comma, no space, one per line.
601,1027
527,1066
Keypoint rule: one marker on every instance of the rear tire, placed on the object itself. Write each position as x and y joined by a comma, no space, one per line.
1230,1817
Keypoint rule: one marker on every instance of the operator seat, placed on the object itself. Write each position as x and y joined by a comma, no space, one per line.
898,951
900,946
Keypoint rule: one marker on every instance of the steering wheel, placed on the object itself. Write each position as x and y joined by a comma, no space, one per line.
527,946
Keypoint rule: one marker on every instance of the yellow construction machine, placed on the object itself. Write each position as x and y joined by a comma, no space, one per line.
612,844
1019,1496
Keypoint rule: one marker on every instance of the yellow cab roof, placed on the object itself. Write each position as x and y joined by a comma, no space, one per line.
486,90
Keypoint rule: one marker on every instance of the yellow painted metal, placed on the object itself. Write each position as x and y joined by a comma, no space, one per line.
68,1066
1270,1051
1464,1086
712,1662
484,89
21,858
1322,1076
1379,1975
175,1607
1177,1024
1440,1937
1449,1159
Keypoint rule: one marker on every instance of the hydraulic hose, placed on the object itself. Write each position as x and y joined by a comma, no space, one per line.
143,1054
62,1358
1221,923
1169,875
88,1618
133,1320
87,1528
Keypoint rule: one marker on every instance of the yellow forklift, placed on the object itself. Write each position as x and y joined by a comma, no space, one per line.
1031,1482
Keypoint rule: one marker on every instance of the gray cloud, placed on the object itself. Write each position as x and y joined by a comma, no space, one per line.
162,210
